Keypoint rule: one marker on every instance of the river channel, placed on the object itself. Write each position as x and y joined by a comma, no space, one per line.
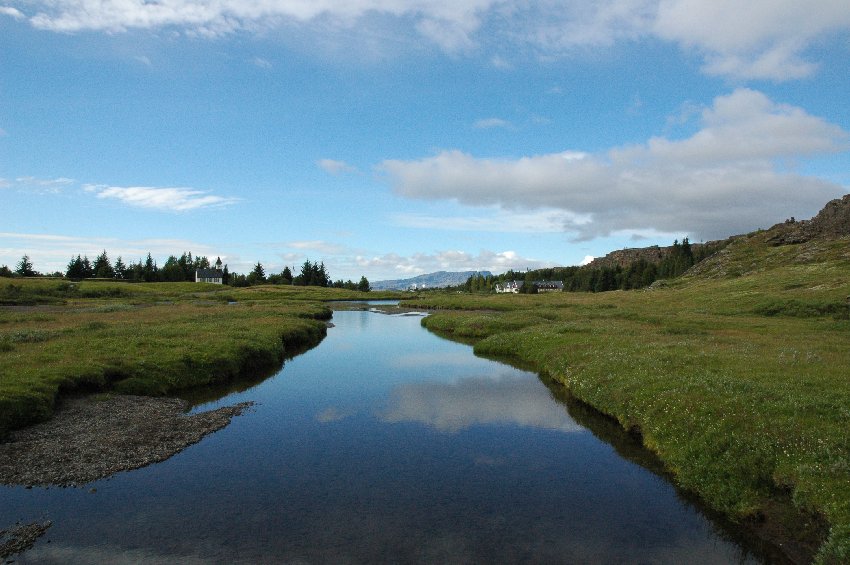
386,444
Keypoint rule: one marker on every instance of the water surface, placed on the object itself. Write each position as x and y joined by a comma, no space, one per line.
383,444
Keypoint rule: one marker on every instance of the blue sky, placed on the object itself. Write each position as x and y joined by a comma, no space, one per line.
391,138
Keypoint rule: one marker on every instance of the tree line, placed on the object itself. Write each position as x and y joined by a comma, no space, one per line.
183,269
638,274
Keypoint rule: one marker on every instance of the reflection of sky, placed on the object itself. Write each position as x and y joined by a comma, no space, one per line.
450,407
382,444
456,358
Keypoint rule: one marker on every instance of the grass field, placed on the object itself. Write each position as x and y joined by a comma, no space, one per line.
153,338
737,375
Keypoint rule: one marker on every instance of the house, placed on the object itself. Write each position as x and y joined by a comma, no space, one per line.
549,286
214,276
516,286
509,286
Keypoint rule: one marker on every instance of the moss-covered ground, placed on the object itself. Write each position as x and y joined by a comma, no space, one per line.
154,338
737,375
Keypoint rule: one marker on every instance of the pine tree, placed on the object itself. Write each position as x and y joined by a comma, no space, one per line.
25,268
120,269
258,275
86,269
150,272
102,268
363,285
172,271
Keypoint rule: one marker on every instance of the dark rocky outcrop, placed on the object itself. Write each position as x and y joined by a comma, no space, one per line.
653,254
832,222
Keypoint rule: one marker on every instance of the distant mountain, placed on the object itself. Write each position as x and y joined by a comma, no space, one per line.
440,279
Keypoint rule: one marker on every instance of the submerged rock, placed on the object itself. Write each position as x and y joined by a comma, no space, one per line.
20,538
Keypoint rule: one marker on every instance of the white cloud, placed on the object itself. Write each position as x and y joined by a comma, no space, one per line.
726,178
40,186
763,39
261,63
757,39
489,123
543,221
168,199
318,246
51,252
11,12
392,265
335,167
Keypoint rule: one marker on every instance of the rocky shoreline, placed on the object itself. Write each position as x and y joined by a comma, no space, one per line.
93,437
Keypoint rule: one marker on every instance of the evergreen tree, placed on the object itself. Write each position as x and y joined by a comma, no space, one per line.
120,269
88,271
286,276
150,272
187,266
5,271
75,268
363,285
25,268
136,272
102,268
172,271
322,277
258,275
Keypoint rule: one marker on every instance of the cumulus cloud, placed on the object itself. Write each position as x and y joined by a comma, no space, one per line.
392,265
11,12
758,39
168,199
764,39
728,177
499,220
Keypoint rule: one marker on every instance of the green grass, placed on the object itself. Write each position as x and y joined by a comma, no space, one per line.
737,376
150,339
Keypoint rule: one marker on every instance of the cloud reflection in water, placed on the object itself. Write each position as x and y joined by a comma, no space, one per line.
505,399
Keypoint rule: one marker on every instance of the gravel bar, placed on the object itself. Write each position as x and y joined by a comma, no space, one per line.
93,437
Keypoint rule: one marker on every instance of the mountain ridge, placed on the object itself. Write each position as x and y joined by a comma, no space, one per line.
437,279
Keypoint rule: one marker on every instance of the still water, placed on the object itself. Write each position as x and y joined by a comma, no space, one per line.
385,444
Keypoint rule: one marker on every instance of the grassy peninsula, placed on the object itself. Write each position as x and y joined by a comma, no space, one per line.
737,375
58,336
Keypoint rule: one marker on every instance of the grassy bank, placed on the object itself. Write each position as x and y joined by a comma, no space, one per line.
151,339
736,375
